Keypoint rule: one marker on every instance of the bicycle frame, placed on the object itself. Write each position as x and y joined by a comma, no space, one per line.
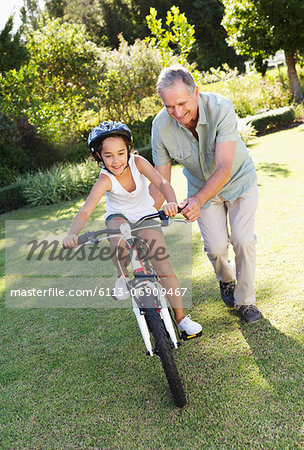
145,283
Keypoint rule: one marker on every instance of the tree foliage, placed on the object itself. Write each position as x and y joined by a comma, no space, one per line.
12,50
106,19
260,28
69,84
32,12
128,77
210,48
177,39
51,90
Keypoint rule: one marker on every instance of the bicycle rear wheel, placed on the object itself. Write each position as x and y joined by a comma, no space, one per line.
163,350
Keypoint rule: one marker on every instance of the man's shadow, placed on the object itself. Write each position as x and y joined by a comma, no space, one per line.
280,359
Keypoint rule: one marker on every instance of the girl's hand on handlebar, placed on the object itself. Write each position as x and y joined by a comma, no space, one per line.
170,209
70,241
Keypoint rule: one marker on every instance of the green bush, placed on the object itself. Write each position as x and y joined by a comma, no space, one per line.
48,187
23,149
251,94
7,128
14,159
60,183
146,152
17,158
280,116
7,175
127,76
246,130
77,152
299,111
12,197
141,132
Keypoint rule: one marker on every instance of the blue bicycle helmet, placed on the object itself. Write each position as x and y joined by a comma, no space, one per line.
106,129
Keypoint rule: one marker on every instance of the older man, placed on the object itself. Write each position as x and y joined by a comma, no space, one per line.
199,131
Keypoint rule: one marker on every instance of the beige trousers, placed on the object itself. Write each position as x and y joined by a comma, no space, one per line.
214,228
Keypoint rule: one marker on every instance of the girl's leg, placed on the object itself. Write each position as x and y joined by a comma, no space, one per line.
117,246
162,266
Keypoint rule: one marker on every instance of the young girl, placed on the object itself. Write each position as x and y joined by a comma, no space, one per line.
122,180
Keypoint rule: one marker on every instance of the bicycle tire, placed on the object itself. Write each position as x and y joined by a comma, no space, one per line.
163,350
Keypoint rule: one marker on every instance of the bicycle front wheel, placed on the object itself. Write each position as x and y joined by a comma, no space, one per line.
163,350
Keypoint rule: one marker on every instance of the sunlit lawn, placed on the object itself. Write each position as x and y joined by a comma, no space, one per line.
80,379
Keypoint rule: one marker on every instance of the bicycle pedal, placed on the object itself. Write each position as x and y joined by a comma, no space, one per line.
186,336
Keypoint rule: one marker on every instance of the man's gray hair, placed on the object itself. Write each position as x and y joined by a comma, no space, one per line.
171,75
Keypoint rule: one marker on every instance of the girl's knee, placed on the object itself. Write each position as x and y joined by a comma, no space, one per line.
115,222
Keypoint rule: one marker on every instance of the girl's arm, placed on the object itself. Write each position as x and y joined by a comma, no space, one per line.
158,181
102,185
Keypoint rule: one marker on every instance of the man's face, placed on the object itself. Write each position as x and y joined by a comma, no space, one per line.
180,104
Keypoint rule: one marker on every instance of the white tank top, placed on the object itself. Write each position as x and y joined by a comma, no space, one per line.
133,205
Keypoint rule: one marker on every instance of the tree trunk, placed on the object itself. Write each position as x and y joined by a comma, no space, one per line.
294,82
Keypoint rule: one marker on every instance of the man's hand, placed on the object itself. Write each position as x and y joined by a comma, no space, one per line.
190,208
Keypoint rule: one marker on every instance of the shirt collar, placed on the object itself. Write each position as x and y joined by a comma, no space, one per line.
202,116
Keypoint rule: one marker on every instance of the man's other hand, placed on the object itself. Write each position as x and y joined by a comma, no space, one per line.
190,208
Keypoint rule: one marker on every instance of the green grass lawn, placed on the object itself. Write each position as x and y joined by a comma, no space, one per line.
79,378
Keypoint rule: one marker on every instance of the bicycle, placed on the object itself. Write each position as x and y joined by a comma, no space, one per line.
149,303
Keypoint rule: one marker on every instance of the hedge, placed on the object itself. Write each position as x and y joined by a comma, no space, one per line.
280,116
12,197
141,132
48,187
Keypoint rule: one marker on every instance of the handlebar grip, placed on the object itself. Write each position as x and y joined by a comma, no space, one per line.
83,238
163,216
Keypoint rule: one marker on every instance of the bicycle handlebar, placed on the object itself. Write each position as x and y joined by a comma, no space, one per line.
92,235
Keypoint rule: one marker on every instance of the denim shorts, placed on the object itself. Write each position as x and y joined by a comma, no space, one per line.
153,224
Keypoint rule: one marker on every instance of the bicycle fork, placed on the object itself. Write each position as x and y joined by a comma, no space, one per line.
142,323
158,302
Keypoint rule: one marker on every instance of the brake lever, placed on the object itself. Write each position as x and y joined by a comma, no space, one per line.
93,240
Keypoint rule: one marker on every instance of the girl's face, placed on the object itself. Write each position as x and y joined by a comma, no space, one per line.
115,154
